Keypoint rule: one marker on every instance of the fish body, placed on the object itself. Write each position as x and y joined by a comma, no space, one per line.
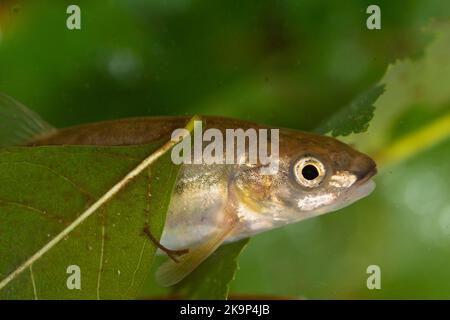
216,203
262,202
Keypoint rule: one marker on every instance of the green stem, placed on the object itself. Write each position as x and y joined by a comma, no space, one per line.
413,143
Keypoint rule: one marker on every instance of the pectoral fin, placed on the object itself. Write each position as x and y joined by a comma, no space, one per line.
171,272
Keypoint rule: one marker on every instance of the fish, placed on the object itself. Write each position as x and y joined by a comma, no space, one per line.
213,204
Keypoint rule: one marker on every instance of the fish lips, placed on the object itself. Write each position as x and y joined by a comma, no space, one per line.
364,185
368,168
366,175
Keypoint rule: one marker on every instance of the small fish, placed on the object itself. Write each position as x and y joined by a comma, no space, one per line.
215,204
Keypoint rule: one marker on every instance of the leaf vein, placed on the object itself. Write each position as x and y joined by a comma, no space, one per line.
41,212
100,266
56,173
33,283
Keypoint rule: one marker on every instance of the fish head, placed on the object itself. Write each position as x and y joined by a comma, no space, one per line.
316,174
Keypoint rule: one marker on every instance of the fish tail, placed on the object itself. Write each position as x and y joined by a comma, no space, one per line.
18,124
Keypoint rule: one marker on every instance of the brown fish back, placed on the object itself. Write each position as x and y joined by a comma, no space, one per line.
132,131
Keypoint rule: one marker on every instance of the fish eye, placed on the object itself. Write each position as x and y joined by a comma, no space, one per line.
309,172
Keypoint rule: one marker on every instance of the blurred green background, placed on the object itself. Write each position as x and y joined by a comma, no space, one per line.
289,63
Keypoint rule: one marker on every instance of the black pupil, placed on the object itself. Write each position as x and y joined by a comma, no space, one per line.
310,172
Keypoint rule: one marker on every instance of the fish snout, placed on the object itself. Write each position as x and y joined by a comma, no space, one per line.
364,168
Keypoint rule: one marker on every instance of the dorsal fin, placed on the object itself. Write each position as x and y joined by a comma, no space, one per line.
18,124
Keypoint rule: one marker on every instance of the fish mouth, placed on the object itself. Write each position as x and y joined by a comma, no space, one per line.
363,186
367,176
361,189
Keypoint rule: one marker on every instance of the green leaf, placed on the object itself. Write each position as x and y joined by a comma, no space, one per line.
44,191
355,117
211,280
65,193
419,85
